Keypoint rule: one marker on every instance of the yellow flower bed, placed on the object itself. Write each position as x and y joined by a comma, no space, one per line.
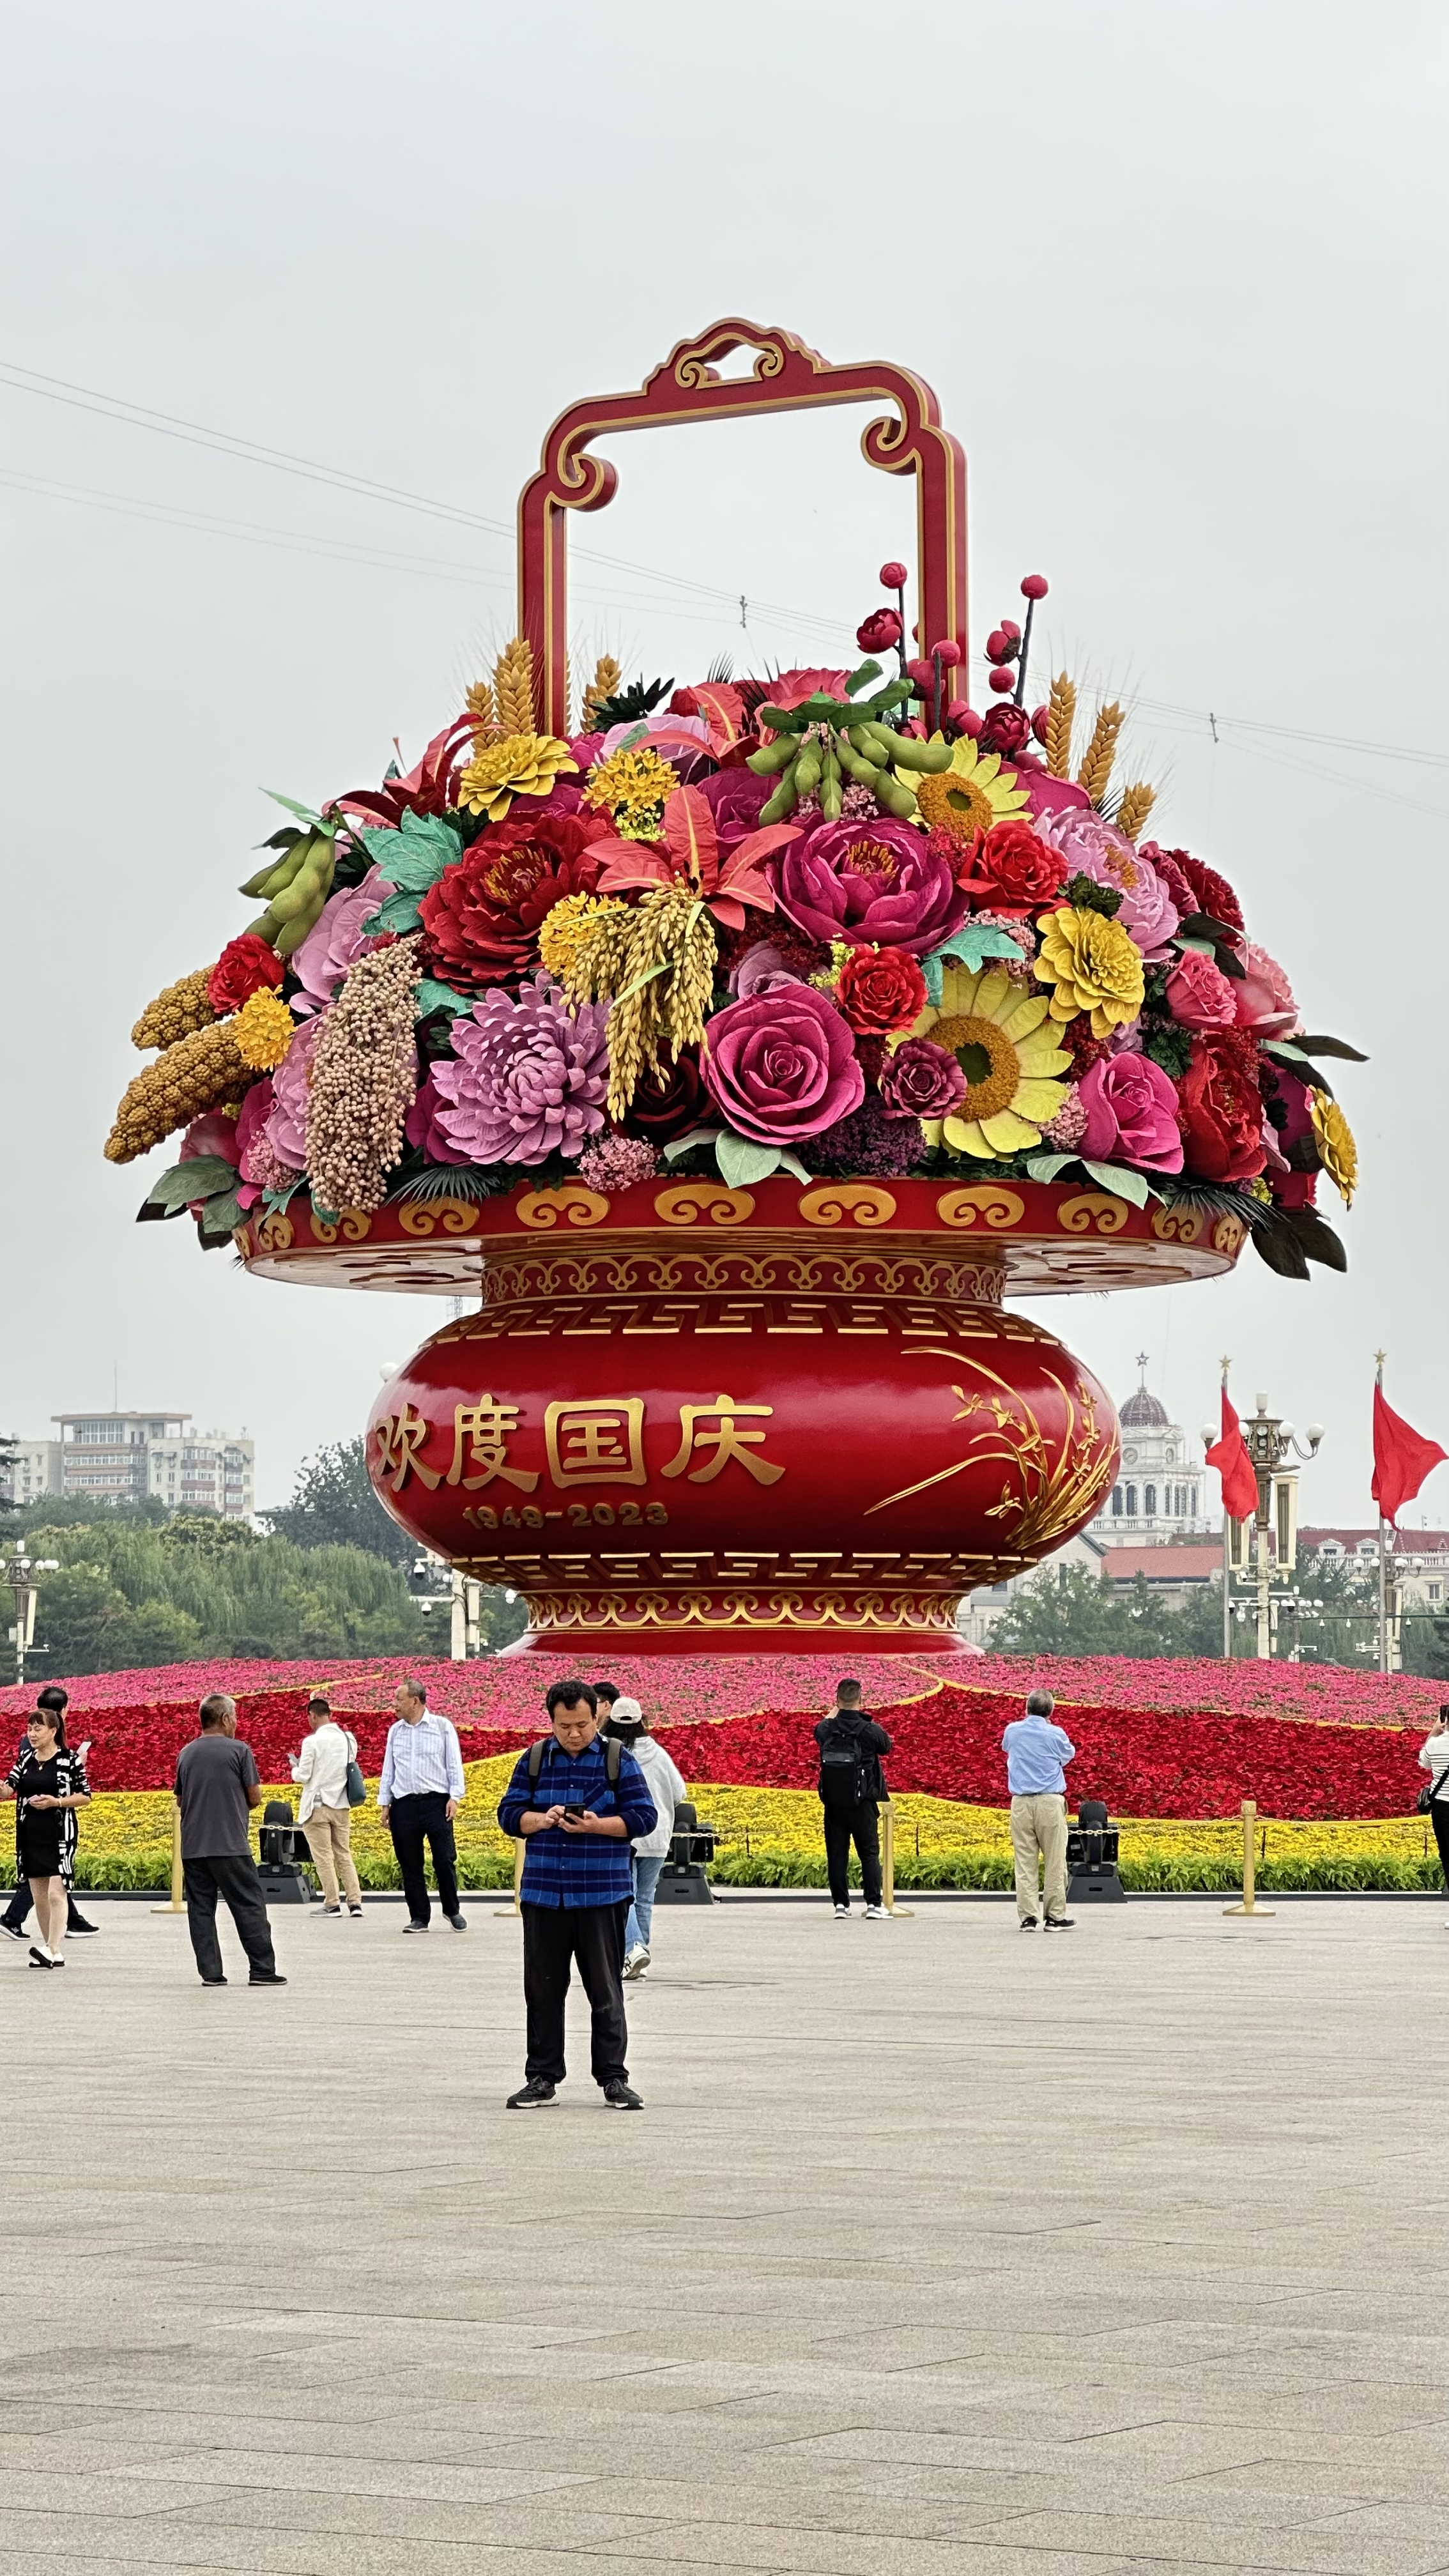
774,1835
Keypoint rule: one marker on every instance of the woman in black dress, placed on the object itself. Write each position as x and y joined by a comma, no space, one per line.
48,1784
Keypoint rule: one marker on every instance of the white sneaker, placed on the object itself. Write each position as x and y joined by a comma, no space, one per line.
875,1914
842,1914
636,1959
42,1954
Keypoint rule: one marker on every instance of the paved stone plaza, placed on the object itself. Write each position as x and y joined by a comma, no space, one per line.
937,2248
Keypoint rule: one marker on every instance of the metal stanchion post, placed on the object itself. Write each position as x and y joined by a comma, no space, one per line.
516,1907
1250,1903
888,1864
178,1879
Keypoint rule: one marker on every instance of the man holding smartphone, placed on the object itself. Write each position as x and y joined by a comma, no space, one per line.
577,1802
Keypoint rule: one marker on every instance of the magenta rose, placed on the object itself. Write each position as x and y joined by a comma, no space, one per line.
423,1127
1199,994
872,882
921,1081
782,1064
734,798
1131,1107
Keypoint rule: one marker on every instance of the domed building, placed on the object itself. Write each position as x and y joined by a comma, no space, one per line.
1162,1488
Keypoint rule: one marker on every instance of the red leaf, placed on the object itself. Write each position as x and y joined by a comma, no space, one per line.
689,837
723,710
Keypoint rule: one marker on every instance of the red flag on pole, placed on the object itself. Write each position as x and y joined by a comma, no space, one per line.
1402,1459
1229,1454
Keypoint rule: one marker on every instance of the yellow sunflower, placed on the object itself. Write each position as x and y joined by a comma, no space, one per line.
522,764
1003,1039
1336,1148
971,795
1094,966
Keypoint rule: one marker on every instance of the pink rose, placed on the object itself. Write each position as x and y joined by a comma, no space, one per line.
782,1064
1131,1107
760,970
872,882
1264,997
921,1081
1199,994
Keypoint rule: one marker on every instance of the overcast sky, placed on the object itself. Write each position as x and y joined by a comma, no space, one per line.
1175,270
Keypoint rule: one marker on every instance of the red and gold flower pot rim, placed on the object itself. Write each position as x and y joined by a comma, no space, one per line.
995,1238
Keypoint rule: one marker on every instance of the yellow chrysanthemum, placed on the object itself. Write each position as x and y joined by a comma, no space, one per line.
1003,1039
632,785
522,764
971,795
263,1029
566,930
1094,966
1336,1148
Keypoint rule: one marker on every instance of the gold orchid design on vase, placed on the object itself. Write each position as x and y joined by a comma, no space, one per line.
1049,1496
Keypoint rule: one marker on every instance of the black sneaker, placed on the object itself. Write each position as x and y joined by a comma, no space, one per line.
415,1927
1059,1923
263,1979
457,1922
78,1928
16,1931
1028,1923
213,1981
535,2093
622,2097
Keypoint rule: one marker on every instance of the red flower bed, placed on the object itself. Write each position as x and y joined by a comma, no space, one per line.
136,1747
1247,1689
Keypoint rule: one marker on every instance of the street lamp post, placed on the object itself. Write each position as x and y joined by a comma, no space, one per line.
19,1572
1269,1441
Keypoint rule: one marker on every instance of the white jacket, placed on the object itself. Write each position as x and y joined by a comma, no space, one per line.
666,1788
321,1768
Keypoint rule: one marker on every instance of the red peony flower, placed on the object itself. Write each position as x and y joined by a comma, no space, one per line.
881,989
1012,871
1006,729
482,918
893,575
245,966
879,632
668,1104
1221,1108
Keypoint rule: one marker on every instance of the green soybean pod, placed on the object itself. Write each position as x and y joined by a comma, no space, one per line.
783,801
774,757
897,798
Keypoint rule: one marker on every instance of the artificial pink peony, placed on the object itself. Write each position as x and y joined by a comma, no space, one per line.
1092,849
1199,994
1263,998
782,1065
286,1127
760,970
873,884
336,942
526,1078
424,1128
215,1133
1131,1114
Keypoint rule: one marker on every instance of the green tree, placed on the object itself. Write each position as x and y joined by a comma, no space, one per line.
333,1503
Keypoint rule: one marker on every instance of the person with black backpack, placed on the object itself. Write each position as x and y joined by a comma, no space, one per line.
576,1801
852,1787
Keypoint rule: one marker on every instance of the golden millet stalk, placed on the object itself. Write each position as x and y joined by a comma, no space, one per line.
1137,803
178,1010
200,1071
1101,751
607,675
513,687
1061,711
364,1075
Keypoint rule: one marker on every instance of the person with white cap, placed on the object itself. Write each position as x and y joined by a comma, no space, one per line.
627,1721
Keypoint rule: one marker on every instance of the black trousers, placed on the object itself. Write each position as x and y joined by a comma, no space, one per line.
553,1937
1439,1819
413,1821
232,1875
19,1906
844,1826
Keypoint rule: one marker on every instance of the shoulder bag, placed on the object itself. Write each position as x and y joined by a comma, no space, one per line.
356,1785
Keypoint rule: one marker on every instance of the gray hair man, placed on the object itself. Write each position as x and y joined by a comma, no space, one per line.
1035,1752
216,1789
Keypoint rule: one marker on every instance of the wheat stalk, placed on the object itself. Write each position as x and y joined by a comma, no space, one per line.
1061,709
607,675
1101,751
513,687
479,702
1137,803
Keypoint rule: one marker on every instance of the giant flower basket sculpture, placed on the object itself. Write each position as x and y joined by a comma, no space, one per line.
737,1049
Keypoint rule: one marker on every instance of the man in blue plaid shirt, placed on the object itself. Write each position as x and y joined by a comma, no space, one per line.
577,1825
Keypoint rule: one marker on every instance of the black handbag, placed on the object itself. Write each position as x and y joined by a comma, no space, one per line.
1429,1792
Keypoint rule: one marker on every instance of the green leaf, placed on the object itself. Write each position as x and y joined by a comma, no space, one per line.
1122,1183
1317,1239
275,1200
858,679
1298,1062
1331,1046
197,1179
1277,1244
414,857
307,813
1199,947
221,1214
433,996
400,912
970,946
741,1160
686,1144
1045,1167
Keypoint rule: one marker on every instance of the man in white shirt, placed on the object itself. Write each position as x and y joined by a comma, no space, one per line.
418,1796
1035,1752
320,1769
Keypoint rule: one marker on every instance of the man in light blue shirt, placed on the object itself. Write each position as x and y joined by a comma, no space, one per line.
1035,1752
418,1796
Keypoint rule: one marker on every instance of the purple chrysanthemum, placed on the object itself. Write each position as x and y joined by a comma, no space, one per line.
527,1077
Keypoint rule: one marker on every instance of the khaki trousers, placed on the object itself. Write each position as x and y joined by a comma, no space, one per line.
1039,1825
329,1840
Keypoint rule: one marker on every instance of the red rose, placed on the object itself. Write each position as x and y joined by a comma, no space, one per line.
668,1103
1012,871
880,632
243,968
482,917
881,990
1005,729
1221,1108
